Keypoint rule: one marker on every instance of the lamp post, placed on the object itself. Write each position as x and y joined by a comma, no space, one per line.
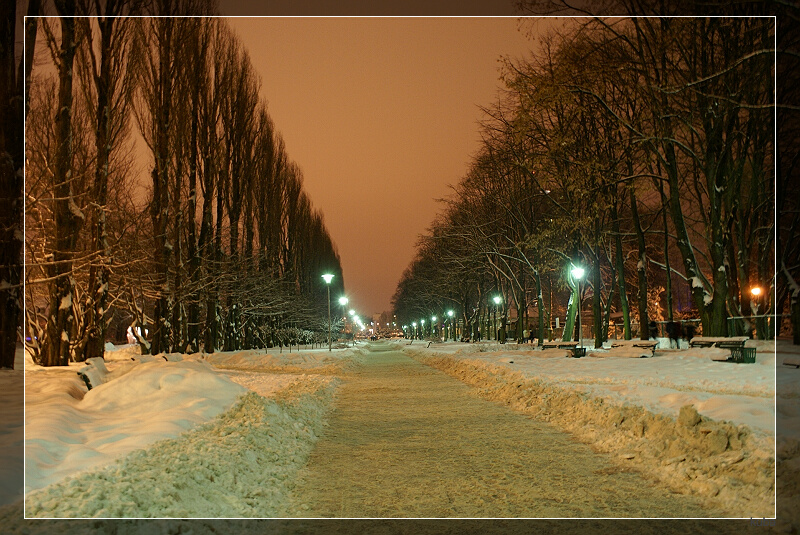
433,322
353,328
756,293
497,301
422,322
577,274
328,278
450,314
414,334
343,303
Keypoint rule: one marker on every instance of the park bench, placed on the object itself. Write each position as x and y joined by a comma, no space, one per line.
647,348
793,360
94,373
575,351
722,342
739,353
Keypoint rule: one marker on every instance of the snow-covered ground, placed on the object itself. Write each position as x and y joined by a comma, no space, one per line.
740,393
698,425
149,415
140,407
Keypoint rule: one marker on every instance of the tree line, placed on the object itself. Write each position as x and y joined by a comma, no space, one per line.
639,149
220,248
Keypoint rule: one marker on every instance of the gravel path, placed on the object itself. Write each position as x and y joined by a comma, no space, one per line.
408,441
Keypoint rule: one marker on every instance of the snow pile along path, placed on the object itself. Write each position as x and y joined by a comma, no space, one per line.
728,464
69,430
273,361
242,464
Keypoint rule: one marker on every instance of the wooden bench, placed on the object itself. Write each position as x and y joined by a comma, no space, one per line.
649,345
94,373
722,342
739,353
792,361
630,349
559,344
575,351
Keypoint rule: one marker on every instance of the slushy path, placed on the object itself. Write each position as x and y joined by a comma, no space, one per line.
408,441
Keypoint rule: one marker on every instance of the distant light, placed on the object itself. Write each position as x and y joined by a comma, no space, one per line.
433,318
422,322
328,278
343,301
578,272
756,291
450,313
413,323
496,299
352,312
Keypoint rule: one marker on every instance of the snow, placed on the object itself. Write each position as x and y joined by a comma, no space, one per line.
186,420
740,393
141,406
67,432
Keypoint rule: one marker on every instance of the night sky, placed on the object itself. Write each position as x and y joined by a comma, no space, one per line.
381,114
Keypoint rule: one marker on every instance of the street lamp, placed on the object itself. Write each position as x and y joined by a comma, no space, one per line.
497,300
577,273
328,278
452,332
343,302
755,291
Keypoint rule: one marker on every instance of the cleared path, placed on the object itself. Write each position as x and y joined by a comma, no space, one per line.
408,441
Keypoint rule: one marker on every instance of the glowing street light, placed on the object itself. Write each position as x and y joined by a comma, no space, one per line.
450,314
328,278
578,273
343,302
497,300
756,291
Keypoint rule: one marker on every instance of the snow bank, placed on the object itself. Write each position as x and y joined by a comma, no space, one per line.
303,361
242,464
69,430
741,393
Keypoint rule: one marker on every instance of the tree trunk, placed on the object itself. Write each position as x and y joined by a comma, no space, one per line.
641,270
619,260
67,215
99,272
11,177
160,205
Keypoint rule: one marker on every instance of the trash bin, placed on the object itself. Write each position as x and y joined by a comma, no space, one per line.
743,355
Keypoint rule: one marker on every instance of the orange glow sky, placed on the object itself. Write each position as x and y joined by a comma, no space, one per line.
381,115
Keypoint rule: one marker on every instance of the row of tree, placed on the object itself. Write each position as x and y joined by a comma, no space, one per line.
220,248
639,149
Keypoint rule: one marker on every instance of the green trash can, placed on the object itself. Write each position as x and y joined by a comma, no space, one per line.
579,352
743,355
